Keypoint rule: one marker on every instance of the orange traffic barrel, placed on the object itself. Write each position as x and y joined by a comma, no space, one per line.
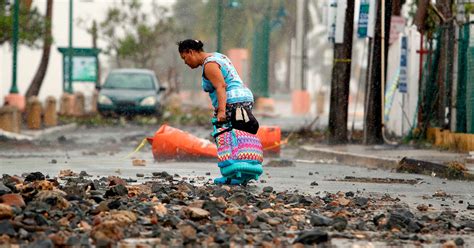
171,143
270,136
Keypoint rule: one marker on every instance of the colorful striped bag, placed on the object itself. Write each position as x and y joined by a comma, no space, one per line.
239,153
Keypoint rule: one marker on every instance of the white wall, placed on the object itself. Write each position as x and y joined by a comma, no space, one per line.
401,119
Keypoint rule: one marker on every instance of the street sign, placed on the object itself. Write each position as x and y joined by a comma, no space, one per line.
363,19
85,64
331,21
402,83
340,21
396,27
84,69
372,16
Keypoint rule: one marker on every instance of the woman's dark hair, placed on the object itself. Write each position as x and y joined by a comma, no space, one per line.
189,44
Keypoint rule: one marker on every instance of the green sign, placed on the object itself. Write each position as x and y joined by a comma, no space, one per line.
363,19
84,69
84,64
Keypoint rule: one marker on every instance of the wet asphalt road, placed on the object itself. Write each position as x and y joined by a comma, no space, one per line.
102,151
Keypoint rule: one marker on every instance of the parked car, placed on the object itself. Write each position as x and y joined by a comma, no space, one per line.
130,92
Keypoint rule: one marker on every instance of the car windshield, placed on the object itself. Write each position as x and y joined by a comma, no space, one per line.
138,81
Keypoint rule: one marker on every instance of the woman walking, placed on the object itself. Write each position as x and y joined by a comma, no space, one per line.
232,102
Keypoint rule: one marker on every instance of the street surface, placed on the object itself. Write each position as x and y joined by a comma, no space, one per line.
102,151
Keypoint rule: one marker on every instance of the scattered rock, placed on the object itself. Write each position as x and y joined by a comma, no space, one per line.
422,207
6,211
138,162
319,220
339,223
117,190
4,189
315,236
361,201
268,189
35,176
7,228
176,213
440,193
470,206
13,200
67,173
238,198
197,213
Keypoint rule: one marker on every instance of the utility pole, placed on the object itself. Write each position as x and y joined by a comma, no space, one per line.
69,57
14,98
299,70
220,7
260,55
341,75
16,10
373,102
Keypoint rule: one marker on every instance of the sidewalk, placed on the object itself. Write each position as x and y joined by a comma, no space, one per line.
30,135
424,161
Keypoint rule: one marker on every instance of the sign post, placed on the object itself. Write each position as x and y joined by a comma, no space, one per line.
402,83
84,66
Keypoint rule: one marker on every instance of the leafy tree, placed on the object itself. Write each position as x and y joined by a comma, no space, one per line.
31,25
199,20
134,37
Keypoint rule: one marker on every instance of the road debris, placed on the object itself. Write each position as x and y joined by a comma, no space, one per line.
378,180
168,210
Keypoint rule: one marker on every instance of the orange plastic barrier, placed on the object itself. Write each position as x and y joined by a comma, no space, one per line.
169,143
270,136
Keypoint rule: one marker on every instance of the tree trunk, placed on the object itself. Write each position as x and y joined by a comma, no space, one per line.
341,75
94,31
444,6
421,15
373,109
37,81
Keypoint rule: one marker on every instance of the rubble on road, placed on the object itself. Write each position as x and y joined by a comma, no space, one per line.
168,210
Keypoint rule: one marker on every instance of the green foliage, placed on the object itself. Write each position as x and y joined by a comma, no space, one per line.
432,19
90,120
469,8
134,36
32,25
199,20
194,116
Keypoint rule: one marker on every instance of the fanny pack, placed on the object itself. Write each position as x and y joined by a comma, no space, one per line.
242,119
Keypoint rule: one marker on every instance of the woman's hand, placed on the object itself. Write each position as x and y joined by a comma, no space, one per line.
221,115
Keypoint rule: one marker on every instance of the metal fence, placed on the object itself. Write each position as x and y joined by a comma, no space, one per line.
465,89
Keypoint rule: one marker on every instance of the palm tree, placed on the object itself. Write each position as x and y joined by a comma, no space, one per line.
37,81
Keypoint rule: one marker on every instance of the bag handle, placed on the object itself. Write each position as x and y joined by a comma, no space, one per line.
217,124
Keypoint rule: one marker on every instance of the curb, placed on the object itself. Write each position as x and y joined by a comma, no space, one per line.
30,135
352,159
308,152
